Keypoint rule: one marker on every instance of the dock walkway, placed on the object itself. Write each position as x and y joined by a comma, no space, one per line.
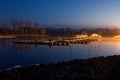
66,42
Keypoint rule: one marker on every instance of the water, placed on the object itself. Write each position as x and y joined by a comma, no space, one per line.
29,54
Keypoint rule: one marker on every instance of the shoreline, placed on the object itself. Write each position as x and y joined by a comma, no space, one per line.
7,36
100,68
106,39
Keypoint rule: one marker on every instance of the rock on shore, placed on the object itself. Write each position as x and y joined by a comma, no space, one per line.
101,68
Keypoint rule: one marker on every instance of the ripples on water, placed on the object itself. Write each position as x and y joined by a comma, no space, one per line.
29,54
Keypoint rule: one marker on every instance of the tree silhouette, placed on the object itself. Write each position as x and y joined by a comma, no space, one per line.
36,28
14,23
28,26
43,32
4,28
21,27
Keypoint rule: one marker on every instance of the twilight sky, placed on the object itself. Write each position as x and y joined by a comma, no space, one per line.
94,13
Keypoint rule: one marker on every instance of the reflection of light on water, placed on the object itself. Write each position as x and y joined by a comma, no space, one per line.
111,47
117,36
107,48
116,47
27,54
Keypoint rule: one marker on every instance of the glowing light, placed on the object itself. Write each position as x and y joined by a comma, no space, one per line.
95,35
116,37
80,36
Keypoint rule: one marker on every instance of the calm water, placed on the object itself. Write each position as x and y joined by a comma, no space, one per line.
26,55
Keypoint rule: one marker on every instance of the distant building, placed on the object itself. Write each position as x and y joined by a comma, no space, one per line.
81,36
95,35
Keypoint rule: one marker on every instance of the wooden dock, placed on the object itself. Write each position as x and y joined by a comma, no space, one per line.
57,42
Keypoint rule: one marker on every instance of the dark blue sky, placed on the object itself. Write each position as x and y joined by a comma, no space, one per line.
63,12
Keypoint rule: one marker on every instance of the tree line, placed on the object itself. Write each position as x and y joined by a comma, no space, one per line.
21,28
106,32
29,28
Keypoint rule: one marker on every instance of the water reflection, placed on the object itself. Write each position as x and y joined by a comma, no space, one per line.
28,54
29,47
4,42
71,53
20,47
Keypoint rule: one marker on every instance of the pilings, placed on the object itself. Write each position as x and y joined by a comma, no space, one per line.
57,42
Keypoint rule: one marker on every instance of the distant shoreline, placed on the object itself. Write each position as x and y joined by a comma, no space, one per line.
110,39
7,36
13,36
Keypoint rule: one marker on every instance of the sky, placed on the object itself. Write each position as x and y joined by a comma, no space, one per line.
90,13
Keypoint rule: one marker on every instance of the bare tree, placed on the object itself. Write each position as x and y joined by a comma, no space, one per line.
21,27
36,28
14,23
4,29
28,25
43,32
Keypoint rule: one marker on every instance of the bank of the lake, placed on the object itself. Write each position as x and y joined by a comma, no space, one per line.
100,68
7,36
